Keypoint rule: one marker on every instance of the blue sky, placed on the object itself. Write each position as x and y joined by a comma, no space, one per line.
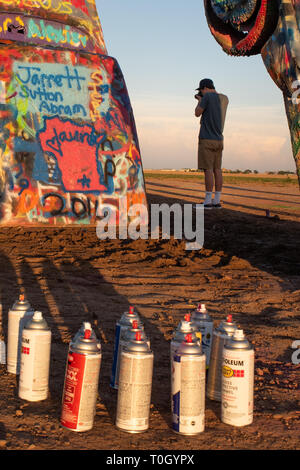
164,48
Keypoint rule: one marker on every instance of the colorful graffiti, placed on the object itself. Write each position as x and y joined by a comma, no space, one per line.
68,142
80,14
270,28
15,27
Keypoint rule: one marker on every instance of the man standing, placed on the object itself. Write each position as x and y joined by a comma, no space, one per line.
212,107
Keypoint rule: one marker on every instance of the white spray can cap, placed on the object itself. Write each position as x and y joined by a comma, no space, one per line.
202,308
37,315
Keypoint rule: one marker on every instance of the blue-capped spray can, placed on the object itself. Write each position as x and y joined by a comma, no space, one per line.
122,325
204,323
188,388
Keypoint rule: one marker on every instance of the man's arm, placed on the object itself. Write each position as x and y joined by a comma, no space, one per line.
198,110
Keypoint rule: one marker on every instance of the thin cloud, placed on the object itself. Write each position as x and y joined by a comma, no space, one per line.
255,137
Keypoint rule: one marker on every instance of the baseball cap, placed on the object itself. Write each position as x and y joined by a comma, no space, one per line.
206,83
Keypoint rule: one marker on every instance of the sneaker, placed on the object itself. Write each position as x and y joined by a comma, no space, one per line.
217,206
208,206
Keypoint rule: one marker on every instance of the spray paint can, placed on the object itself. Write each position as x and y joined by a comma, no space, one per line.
188,388
2,352
18,315
184,327
204,324
214,379
2,342
123,324
237,381
81,383
35,359
135,384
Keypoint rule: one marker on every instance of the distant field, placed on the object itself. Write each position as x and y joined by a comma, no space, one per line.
237,178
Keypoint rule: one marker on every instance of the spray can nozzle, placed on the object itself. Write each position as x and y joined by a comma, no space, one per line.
135,325
87,334
239,334
131,310
37,316
138,336
187,317
201,308
21,297
188,338
229,319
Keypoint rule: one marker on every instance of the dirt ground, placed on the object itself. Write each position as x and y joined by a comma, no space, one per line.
249,267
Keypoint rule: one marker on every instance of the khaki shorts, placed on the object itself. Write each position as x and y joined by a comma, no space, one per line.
210,154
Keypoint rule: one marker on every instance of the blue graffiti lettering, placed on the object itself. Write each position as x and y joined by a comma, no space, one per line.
26,76
60,110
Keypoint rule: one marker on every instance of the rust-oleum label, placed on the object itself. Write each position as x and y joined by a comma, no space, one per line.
80,391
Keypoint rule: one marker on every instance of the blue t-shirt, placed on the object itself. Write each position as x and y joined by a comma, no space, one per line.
213,116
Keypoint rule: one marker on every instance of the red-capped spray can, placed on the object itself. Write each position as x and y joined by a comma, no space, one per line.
214,379
18,315
237,381
122,325
184,327
135,385
188,388
81,383
35,359
205,325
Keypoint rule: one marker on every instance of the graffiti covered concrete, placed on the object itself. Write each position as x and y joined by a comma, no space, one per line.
68,141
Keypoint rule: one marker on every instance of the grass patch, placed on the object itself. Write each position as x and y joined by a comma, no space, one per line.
292,208
232,179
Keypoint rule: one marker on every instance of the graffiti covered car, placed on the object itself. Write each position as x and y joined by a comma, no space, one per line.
68,141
